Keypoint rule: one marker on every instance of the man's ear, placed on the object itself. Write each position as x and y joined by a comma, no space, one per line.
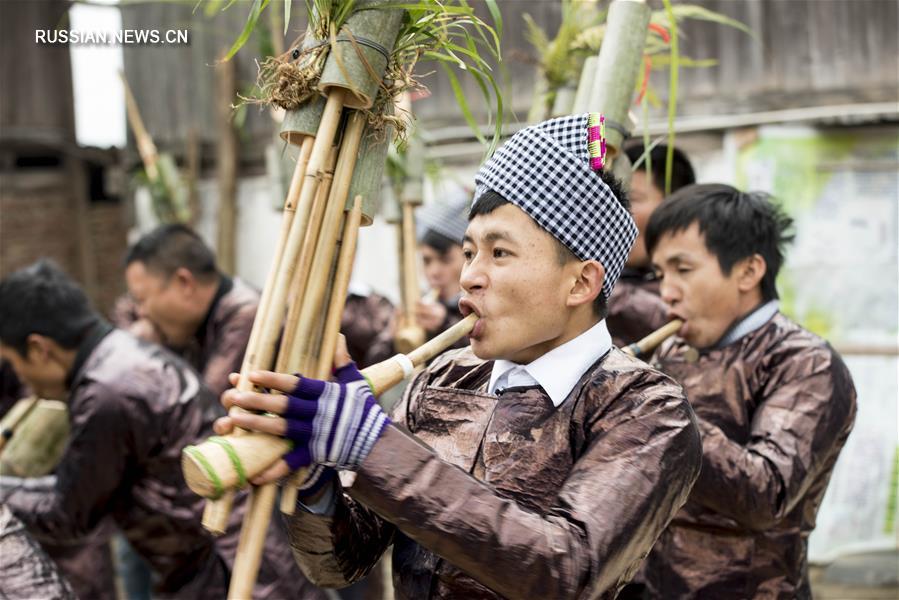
750,272
588,280
38,348
185,279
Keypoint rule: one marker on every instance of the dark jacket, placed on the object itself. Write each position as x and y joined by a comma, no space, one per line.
775,408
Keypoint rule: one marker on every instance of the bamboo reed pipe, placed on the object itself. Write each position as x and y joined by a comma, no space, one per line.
267,448
250,547
301,275
215,518
410,334
653,340
332,326
7,432
386,374
317,286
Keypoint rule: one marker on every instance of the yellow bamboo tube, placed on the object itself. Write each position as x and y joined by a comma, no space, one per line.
409,334
215,518
145,146
249,549
301,276
654,339
332,325
317,286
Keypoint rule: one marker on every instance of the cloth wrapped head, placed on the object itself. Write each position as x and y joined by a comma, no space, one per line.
545,170
448,218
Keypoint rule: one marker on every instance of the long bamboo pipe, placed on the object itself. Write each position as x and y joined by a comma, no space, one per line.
409,334
257,455
215,517
332,325
653,340
145,146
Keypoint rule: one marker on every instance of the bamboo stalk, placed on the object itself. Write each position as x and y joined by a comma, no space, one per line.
332,325
250,548
316,288
301,276
654,339
409,334
145,146
264,348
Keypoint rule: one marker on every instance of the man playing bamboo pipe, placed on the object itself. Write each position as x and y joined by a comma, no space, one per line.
197,311
635,309
775,403
132,406
440,231
541,462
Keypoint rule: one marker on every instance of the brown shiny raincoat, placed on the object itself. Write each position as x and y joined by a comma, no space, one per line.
25,570
133,406
509,496
774,408
635,308
220,342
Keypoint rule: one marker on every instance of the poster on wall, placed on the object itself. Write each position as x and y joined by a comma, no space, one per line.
841,280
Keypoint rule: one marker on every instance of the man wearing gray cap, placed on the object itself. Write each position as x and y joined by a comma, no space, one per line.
440,229
541,462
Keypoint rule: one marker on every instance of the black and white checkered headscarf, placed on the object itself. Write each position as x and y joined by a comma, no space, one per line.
545,171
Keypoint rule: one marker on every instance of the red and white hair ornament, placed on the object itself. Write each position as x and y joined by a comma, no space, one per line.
596,140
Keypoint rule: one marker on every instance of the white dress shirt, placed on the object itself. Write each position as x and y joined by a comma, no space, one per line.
558,370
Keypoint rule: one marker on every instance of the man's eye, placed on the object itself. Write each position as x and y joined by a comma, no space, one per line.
683,270
468,255
499,253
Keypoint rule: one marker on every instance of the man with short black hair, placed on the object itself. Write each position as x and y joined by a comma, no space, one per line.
133,406
775,402
541,462
200,313
635,309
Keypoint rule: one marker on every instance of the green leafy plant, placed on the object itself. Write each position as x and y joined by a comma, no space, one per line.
449,33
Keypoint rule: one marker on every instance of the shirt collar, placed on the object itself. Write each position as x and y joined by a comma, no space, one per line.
226,284
749,323
559,370
99,330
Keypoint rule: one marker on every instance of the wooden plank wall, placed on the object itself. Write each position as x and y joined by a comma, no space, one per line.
808,53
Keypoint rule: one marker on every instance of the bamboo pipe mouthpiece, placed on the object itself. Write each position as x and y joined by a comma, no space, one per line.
222,464
654,339
386,374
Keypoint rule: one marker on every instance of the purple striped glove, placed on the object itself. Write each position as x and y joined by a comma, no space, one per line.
334,424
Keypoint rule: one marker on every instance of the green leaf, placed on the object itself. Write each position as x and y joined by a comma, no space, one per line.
700,13
287,4
255,11
463,103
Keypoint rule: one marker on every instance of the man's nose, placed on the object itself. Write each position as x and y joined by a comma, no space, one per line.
473,277
669,292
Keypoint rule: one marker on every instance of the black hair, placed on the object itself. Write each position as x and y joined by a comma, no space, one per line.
42,299
735,224
439,242
171,247
490,200
682,173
